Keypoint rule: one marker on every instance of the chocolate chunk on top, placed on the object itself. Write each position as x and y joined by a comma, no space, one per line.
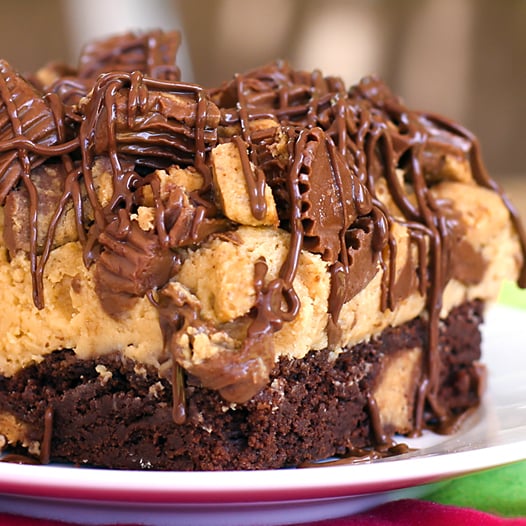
153,53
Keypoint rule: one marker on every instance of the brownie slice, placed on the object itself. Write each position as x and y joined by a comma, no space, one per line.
115,413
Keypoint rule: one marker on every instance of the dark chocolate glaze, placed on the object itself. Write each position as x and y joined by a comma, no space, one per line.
125,107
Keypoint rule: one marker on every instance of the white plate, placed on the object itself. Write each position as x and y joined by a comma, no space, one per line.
492,436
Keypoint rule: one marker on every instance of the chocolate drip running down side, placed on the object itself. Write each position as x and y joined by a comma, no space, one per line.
129,110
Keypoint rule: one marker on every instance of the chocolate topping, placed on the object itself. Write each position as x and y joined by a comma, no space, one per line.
328,198
154,121
153,53
50,182
340,148
131,263
181,217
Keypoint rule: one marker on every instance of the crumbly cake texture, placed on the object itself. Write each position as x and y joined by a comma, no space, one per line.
251,276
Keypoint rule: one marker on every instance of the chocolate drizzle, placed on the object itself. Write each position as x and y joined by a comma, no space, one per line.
127,110
45,445
359,456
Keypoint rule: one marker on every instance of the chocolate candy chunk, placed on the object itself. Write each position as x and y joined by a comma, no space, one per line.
49,182
47,76
176,214
240,358
28,123
446,154
291,95
157,123
153,53
331,196
131,263
363,255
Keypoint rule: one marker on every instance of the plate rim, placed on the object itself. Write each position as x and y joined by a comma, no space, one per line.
330,481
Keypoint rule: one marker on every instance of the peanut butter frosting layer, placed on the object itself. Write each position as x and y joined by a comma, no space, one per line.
213,231
218,279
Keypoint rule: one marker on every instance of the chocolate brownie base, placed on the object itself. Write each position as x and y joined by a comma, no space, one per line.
117,414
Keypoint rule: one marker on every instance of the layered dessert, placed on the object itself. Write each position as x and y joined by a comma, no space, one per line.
257,275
